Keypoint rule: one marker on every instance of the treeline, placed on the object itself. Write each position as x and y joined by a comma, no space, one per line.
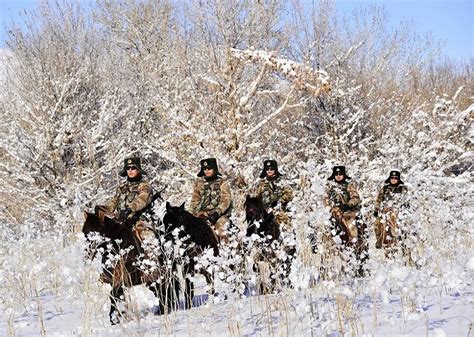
85,87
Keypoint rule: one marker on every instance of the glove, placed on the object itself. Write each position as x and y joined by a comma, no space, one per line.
124,214
213,217
376,214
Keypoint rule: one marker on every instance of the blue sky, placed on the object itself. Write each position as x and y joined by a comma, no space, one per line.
450,21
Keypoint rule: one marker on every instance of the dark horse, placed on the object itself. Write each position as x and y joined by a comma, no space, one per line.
263,224
259,221
195,236
119,237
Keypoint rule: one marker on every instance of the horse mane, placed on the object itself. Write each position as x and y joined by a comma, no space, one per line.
268,225
198,230
110,229
91,223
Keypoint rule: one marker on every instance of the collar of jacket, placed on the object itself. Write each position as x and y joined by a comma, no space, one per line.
272,179
211,179
135,180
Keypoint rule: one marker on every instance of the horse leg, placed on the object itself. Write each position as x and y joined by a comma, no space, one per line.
159,290
114,313
164,293
362,248
188,294
163,298
209,281
169,294
188,271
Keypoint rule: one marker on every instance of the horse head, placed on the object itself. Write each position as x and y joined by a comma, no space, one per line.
191,228
92,223
174,217
254,210
101,224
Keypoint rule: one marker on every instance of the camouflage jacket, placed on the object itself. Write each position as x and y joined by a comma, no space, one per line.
135,195
342,195
273,191
390,195
211,196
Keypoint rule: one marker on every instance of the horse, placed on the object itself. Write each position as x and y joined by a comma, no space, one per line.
194,235
259,221
351,231
393,235
264,225
119,237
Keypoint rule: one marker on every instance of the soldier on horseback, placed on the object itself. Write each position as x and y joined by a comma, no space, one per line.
131,196
344,202
390,199
343,199
126,206
273,192
211,199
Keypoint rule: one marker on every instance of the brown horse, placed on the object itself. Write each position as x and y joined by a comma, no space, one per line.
391,235
351,232
122,252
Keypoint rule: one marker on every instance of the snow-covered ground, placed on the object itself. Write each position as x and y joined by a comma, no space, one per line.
52,290
311,312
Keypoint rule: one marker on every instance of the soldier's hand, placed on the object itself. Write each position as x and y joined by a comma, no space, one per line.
213,217
376,214
270,210
344,208
202,215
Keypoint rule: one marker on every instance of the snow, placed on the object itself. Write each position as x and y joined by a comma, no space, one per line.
75,102
470,263
296,313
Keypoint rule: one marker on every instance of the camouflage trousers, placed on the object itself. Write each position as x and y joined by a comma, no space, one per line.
142,231
283,220
348,220
220,228
389,235
386,229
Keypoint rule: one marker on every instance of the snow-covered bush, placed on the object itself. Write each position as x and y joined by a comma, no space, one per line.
242,81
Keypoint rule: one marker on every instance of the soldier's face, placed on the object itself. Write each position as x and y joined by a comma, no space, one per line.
208,172
339,177
393,180
270,172
132,172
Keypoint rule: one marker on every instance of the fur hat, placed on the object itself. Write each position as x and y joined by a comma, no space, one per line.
269,164
394,174
338,170
132,161
208,163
